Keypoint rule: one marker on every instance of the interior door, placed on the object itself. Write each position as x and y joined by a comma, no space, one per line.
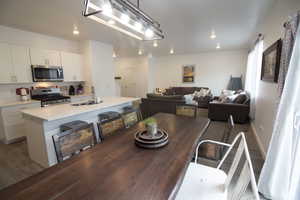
129,83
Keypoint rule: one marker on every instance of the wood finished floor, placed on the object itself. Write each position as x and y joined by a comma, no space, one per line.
16,165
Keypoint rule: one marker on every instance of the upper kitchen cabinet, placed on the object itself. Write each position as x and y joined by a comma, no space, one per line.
45,57
14,64
21,63
7,73
73,66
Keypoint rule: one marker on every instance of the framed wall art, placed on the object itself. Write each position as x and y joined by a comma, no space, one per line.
271,62
188,75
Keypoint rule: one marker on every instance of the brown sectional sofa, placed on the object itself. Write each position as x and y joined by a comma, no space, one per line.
218,111
167,103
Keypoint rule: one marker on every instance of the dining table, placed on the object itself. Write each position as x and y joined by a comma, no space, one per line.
117,169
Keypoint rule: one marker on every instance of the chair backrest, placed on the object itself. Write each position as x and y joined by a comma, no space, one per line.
246,174
71,142
226,135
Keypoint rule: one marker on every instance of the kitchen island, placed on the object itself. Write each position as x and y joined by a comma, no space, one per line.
42,123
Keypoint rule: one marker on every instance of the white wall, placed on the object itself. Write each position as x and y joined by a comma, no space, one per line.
134,72
30,39
100,68
266,103
213,69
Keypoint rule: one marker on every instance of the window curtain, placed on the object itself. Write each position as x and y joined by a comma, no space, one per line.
287,48
253,74
280,176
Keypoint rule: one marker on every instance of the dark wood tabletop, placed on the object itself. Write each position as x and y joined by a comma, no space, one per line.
116,169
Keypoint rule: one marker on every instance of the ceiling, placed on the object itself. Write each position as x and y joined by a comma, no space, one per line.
187,24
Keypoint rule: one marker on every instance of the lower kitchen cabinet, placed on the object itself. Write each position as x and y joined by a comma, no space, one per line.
12,123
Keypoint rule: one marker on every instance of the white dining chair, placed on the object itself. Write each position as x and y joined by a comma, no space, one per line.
207,183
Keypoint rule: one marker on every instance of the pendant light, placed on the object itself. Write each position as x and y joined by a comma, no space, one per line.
125,17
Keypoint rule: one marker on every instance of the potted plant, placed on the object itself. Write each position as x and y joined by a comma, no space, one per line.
151,125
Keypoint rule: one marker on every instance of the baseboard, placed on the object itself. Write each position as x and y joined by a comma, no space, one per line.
4,141
260,145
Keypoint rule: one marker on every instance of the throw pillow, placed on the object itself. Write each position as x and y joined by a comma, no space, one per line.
189,99
229,99
240,99
225,94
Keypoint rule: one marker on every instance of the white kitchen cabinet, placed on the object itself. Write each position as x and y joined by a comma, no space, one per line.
6,68
14,64
45,57
21,63
12,122
73,66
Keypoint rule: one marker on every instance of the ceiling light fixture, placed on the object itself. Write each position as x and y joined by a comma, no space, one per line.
111,22
75,31
114,55
125,18
128,18
213,35
172,51
218,46
138,26
140,52
155,44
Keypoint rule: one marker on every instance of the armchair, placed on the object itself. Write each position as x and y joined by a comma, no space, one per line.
221,111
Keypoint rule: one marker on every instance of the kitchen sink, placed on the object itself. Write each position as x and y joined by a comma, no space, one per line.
85,103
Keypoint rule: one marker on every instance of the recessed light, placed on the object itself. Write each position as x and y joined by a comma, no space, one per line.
155,44
114,55
125,18
172,51
218,46
111,22
213,35
149,33
75,31
140,52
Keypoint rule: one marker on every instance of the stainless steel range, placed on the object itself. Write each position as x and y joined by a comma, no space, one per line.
49,96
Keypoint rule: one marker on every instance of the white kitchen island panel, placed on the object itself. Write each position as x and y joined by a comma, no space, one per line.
43,123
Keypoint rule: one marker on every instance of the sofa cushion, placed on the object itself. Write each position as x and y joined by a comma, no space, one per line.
202,93
241,98
158,96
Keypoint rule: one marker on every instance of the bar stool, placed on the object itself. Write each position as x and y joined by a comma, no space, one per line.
186,110
109,122
131,116
74,137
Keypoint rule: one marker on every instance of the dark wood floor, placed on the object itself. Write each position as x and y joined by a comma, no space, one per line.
16,165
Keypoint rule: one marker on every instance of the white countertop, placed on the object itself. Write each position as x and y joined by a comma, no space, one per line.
80,95
67,110
16,103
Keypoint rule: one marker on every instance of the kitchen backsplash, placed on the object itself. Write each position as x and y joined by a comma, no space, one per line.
8,91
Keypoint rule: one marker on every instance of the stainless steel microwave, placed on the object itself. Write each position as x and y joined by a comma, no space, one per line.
41,73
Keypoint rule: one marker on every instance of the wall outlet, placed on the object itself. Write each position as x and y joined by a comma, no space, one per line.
261,128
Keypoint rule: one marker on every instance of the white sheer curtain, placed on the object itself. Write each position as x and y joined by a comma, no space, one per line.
253,74
280,177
